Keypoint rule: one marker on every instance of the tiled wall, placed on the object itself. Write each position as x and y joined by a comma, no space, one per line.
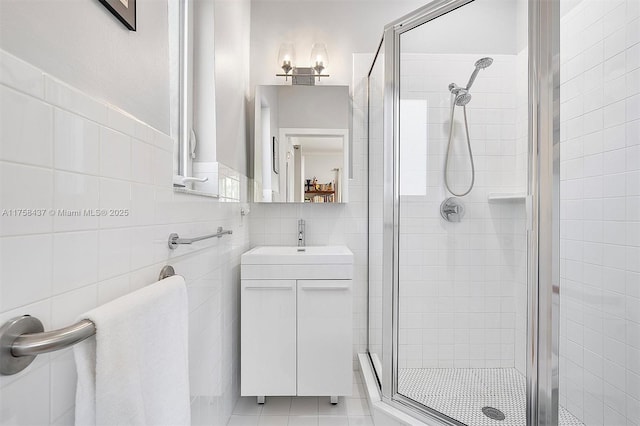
458,281
600,212
63,150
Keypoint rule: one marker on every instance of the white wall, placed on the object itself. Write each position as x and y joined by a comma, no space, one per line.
231,47
314,107
321,165
82,43
600,212
356,26
346,27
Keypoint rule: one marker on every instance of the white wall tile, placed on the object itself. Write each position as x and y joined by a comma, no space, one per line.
25,275
114,253
115,203
142,162
74,194
66,97
601,297
75,260
25,188
26,129
20,75
115,154
18,410
76,143
57,275
162,175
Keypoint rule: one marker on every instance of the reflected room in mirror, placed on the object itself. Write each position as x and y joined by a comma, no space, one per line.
301,144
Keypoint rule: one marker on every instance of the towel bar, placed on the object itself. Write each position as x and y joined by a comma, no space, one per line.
175,240
23,338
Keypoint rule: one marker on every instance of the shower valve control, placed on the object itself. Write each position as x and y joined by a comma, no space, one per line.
452,209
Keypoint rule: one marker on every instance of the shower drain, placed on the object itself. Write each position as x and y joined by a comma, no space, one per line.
493,413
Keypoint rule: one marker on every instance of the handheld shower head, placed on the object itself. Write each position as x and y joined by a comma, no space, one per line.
480,64
483,63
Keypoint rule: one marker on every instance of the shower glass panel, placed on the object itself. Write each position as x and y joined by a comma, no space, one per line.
375,133
462,286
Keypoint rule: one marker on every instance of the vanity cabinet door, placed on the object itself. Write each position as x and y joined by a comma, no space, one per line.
268,337
325,366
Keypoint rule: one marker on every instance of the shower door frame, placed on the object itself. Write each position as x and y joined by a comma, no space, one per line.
542,207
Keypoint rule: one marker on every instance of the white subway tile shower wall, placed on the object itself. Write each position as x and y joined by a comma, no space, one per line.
62,149
600,214
459,281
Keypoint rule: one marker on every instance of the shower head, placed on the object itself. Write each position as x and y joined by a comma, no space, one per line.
483,63
461,95
480,64
463,98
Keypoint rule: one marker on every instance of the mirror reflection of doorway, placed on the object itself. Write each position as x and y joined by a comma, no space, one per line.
317,175
316,163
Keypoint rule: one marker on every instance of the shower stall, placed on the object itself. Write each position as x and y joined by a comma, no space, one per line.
495,296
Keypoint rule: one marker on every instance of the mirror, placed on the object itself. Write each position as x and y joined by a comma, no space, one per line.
301,144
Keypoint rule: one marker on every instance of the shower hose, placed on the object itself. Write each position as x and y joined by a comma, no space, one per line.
446,162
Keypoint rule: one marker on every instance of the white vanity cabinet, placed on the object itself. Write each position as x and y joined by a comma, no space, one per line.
296,323
324,338
268,336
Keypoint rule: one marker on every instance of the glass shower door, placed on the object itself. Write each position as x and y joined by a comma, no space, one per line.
375,98
462,248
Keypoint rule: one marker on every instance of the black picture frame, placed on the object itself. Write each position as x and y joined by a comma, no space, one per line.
275,151
124,10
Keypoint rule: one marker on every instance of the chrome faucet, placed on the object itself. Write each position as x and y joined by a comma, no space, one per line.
301,233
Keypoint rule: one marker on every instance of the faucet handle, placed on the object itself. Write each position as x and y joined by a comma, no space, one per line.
452,210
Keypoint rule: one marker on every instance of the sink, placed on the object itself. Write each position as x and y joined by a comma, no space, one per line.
292,255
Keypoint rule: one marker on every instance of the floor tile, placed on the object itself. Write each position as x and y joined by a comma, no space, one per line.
276,406
273,420
325,407
303,421
247,406
358,391
243,421
357,407
360,421
304,406
333,421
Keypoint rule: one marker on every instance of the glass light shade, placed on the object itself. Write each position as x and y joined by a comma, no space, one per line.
286,57
319,57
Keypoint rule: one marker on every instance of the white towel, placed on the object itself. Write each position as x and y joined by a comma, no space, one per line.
135,370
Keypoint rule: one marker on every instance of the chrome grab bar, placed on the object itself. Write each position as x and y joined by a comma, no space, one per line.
175,240
33,344
23,338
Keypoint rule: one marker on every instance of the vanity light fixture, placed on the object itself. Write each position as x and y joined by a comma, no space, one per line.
303,75
319,57
286,57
